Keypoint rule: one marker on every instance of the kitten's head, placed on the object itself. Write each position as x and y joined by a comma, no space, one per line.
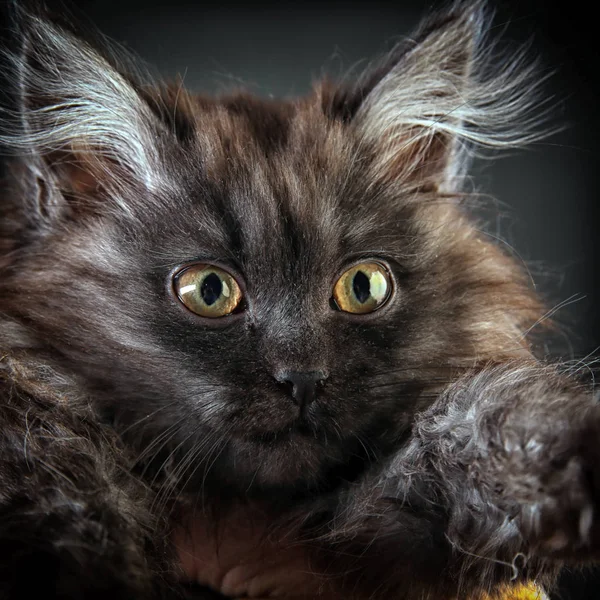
254,292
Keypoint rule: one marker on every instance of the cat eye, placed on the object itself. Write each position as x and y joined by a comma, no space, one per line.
208,291
363,288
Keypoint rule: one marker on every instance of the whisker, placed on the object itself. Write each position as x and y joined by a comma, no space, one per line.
224,441
172,454
172,481
167,488
160,438
146,417
191,456
571,300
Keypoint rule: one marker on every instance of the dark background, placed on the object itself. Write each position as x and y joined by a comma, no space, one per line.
548,193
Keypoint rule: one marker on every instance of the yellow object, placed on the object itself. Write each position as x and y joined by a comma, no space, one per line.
525,591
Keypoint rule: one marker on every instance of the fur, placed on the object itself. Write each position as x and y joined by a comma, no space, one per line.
439,449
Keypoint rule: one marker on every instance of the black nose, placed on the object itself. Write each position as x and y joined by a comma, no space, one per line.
303,385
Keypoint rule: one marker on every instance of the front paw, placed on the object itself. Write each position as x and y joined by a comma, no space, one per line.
560,514
563,520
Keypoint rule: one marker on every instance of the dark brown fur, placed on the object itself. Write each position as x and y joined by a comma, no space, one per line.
439,453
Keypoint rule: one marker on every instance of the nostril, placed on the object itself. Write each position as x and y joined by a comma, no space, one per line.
285,385
302,385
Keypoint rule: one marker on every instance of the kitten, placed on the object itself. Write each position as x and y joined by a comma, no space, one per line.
226,300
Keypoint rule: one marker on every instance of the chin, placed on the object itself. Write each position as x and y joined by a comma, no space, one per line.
294,463
296,460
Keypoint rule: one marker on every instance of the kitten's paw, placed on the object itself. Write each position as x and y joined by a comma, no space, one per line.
243,556
563,519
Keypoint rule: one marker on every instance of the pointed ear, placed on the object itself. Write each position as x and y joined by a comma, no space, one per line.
79,124
426,108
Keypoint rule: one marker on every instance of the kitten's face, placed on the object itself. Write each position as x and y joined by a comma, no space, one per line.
285,198
286,225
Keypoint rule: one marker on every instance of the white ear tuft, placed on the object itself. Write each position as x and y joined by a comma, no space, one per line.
76,105
449,95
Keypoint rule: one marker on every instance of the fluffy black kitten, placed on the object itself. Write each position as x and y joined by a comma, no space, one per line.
215,300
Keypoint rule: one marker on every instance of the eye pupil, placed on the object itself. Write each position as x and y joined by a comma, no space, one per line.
361,287
211,289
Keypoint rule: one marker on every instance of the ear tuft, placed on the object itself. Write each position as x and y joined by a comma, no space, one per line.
439,97
77,111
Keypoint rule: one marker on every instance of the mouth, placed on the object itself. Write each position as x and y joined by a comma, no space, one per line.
298,429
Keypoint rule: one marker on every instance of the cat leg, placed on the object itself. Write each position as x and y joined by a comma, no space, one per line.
525,439
499,483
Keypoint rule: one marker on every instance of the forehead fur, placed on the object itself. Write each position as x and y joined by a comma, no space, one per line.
264,140
266,171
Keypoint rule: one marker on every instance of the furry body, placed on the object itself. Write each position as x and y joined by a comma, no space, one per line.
439,453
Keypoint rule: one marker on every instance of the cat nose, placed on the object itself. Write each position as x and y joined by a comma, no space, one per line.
303,385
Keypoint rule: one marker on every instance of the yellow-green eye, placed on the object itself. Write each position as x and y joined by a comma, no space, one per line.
363,288
208,291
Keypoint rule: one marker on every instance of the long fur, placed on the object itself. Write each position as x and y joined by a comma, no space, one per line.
440,457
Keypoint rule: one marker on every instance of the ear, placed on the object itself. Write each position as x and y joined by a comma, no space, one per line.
434,100
79,125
